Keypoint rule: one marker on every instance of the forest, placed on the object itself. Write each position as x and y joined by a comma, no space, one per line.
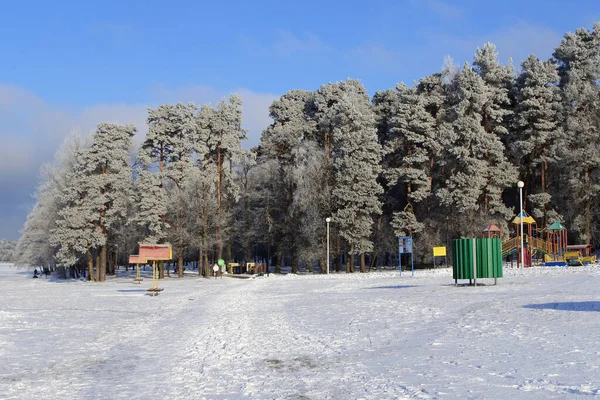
7,248
436,160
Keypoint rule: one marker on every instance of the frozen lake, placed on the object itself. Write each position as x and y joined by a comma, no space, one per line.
362,336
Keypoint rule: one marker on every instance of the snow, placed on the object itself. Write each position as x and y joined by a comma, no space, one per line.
535,335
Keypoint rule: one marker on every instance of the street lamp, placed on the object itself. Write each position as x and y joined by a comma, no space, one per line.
520,185
328,220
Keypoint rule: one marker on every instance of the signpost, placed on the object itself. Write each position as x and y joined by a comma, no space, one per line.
405,246
155,252
137,260
439,252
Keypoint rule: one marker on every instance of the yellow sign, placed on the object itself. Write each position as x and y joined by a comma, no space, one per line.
439,251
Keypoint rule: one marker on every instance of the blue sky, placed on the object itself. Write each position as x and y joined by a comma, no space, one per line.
67,65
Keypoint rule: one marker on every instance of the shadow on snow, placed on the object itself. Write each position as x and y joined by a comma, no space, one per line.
567,306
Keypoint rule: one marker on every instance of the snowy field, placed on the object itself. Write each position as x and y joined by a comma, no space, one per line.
362,336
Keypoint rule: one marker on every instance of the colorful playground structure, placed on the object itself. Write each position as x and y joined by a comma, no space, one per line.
547,245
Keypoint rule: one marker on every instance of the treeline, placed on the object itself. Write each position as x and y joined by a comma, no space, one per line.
7,248
437,160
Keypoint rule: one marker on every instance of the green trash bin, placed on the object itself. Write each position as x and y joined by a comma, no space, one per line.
488,257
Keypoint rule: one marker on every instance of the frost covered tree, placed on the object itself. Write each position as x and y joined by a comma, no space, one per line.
182,136
34,247
7,249
476,157
169,148
413,131
538,133
96,198
280,142
578,57
496,113
220,128
409,147
201,213
344,112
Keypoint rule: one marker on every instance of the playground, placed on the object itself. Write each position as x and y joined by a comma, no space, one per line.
546,246
341,336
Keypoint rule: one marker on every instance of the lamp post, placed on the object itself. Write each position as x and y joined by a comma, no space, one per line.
520,185
328,220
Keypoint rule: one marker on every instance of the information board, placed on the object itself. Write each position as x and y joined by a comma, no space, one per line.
405,244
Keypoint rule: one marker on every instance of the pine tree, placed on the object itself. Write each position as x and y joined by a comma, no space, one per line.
476,157
280,141
538,132
221,130
496,113
347,120
97,197
578,58
170,145
34,246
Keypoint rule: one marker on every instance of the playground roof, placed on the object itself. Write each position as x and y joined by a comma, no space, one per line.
556,226
579,246
526,219
492,228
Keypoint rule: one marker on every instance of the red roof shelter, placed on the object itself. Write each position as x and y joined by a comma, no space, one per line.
492,231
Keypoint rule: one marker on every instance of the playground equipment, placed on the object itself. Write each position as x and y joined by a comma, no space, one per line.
476,258
492,231
156,252
137,260
579,254
533,246
555,250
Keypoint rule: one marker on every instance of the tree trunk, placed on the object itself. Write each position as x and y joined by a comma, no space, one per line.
90,262
545,210
97,266
588,211
350,261
112,262
337,262
161,270
219,205
373,264
206,264
247,247
363,267
102,264
278,258
180,263
200,266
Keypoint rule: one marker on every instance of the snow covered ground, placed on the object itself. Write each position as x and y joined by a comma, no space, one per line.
362,336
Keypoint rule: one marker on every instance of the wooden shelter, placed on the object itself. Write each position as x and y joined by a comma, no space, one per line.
557,236
492,231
